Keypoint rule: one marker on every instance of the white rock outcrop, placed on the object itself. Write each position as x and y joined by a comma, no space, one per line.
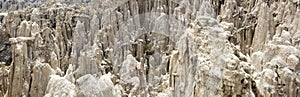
149,48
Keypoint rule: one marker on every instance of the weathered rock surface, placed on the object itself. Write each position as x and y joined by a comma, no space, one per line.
141,48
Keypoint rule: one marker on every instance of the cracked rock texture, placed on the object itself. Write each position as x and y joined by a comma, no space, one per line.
149,48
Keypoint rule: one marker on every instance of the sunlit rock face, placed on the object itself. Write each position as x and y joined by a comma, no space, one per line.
149,48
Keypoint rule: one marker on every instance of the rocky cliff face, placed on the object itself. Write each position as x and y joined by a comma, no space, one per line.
141,48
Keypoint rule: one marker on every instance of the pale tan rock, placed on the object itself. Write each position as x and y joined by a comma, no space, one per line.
59,86
40,73
174,48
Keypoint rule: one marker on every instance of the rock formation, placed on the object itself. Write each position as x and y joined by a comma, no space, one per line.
149,48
